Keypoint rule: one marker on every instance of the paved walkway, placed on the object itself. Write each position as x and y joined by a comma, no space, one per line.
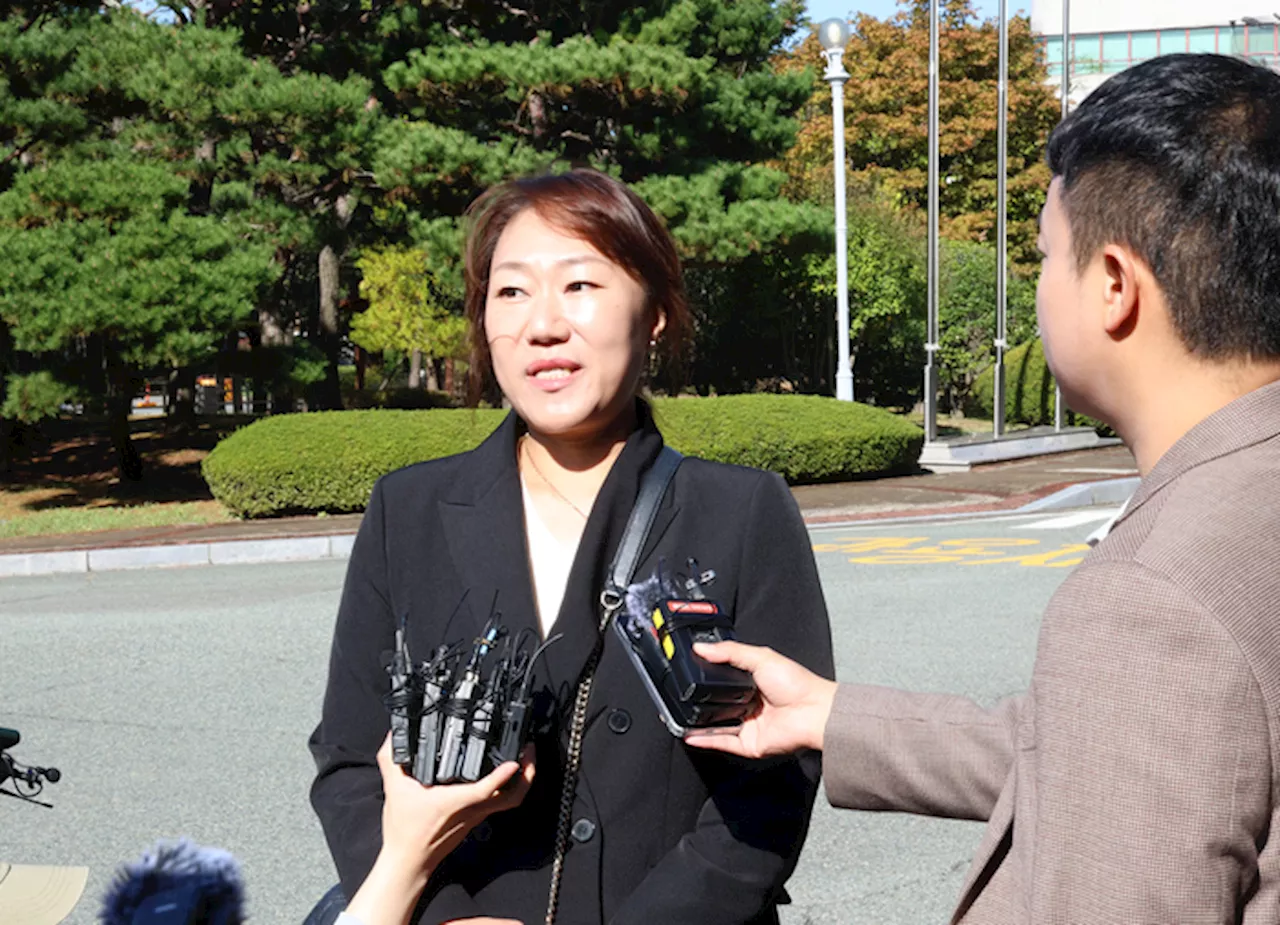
1057,481
998,486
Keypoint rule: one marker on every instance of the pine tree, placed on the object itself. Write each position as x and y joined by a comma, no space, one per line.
119,258
676,98
312,133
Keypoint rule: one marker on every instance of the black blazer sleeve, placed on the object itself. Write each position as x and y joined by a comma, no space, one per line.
347,792
731,868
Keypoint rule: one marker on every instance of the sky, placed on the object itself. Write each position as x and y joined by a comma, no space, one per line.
826,9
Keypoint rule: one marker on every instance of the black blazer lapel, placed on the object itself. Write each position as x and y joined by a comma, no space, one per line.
483,521
580,612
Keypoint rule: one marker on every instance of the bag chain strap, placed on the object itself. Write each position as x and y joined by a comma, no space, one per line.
652,488
611,602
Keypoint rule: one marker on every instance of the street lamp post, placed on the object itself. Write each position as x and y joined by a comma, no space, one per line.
931,324
833,35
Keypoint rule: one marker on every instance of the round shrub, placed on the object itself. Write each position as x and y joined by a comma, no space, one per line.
804,438
1028,390
329,461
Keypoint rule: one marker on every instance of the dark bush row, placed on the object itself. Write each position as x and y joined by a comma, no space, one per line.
329,461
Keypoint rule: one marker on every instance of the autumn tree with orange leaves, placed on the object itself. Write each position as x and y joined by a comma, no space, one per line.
886,120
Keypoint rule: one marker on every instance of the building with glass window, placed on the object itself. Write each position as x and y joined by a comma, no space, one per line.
1108,36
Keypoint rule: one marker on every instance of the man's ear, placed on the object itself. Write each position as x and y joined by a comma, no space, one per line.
1122,274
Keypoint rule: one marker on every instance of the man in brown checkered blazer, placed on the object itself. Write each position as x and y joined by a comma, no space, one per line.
1138,779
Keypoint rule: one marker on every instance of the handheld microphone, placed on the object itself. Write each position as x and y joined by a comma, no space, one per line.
478,735
460,708
515,718
437,676
402,692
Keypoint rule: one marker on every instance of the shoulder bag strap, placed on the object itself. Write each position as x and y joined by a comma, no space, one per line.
653,485
652,489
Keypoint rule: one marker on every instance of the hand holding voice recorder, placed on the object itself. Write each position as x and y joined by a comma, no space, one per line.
658,628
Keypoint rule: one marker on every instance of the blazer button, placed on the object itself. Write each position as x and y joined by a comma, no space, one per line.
582,830
619,721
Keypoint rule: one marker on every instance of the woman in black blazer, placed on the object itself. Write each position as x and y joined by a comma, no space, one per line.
570,280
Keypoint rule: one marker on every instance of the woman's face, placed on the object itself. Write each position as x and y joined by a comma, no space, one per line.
568,329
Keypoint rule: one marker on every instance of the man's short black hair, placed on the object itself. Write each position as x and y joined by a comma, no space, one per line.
1178,158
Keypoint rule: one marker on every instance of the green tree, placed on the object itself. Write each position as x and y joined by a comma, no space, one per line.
285,148
406,310
966,316
676,98
104,271
233,106
886,294
270,158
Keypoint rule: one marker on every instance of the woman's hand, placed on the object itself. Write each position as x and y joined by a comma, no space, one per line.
420,825
794,704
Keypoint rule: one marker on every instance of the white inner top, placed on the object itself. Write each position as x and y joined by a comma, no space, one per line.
550,561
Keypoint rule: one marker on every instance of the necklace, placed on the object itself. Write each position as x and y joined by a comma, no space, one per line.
546,481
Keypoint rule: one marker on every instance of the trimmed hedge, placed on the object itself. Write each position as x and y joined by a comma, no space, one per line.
1029,390
804,438
329,461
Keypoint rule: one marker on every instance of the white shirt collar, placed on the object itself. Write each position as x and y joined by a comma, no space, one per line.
1097,536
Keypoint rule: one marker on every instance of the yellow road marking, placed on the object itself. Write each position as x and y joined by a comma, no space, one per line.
920,550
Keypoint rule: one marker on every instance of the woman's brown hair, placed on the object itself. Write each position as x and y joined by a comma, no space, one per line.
601,211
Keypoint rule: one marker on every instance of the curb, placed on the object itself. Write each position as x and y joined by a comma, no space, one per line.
1086,494
1074,497
338,546
227,552
1082,494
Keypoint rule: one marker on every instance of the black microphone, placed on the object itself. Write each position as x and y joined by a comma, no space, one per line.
31,775
176,883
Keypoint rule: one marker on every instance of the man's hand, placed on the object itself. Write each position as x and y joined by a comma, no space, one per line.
793,707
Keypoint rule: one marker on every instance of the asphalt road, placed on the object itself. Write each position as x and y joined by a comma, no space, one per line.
178,703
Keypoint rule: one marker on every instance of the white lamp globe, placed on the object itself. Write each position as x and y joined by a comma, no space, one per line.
833,35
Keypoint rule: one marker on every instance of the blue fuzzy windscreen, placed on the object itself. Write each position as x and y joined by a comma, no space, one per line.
211,875
643,597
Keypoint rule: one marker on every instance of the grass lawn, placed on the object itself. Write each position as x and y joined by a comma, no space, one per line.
959,425
28,513
63,480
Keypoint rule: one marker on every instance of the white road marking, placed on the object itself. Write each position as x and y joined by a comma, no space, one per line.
1074,519
1129,471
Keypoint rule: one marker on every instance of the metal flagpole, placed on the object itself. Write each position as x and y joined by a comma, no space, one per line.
1066,86
1002,215
931,331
